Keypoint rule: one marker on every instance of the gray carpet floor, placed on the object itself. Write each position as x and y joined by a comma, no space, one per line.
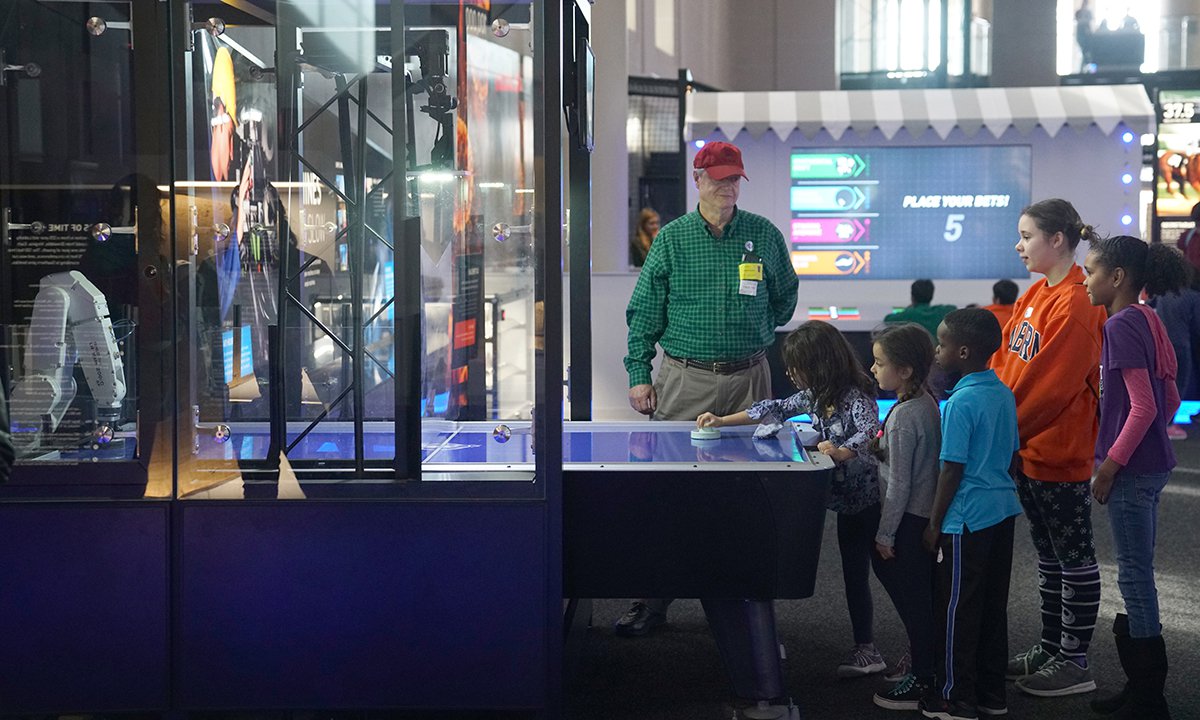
676,673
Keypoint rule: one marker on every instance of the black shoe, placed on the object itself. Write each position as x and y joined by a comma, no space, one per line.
942,709
1111,704
640,620
993,707
906,695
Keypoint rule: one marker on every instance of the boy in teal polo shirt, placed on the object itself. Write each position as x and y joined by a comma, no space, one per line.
971,526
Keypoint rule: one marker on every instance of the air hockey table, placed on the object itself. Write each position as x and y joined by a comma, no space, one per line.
648,512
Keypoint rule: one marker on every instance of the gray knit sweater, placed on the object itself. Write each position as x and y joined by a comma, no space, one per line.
912,439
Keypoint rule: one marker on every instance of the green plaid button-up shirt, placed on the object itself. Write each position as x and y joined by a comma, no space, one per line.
687,299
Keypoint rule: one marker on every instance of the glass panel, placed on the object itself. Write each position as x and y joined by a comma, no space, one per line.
288,237
69,305
230,211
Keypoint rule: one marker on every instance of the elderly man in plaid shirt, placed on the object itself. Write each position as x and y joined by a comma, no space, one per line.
716,284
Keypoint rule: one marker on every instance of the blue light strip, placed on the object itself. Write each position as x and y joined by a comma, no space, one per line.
1183,416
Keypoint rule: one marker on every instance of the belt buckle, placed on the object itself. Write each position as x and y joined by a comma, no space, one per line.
719,367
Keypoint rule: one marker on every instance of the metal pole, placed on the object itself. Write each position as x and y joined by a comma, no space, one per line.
579,376
547,292
406,288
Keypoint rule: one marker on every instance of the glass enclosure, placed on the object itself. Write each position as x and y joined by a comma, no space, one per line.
219,302
72,309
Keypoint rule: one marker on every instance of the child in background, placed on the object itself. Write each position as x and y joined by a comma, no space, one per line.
840,399
1180,314
971,526
1051,362
1134,454
907,449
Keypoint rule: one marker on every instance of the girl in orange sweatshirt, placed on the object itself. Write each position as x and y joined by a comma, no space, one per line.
1051,360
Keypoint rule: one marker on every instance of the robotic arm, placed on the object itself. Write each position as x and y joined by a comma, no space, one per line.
70,325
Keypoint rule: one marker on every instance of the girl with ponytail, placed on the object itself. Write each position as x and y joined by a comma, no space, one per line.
1133,453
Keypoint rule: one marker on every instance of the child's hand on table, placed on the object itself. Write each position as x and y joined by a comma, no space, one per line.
837,454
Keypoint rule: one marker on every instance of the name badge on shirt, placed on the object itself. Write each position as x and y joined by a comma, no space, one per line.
750,271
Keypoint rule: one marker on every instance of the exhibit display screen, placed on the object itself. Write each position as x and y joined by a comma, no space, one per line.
1177,171
907,212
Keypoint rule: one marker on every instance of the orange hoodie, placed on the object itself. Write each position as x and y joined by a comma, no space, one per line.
1050,358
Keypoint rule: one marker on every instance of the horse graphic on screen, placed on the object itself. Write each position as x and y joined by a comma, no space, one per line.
1180,170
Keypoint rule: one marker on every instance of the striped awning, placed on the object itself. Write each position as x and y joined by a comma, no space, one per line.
862,111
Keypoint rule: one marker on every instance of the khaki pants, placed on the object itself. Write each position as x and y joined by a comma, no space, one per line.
685,393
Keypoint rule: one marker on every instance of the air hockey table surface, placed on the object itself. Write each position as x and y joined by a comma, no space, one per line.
448,446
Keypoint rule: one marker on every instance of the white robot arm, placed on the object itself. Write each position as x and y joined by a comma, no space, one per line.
70,325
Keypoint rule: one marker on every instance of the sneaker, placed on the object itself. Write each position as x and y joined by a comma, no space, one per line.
861,660
639,620
1175,432
942,709
906,695
1058,677
900,669
1027,663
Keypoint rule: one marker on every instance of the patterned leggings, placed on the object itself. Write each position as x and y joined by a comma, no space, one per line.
1060,521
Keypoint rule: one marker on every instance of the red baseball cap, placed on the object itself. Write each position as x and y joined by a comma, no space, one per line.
720,160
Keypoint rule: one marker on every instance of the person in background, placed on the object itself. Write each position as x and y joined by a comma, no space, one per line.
1129,23
716,284
647,230
840,398
971,525
921,311
1083,36
1050,359
1190,250
1004,294
1133,454
1180,314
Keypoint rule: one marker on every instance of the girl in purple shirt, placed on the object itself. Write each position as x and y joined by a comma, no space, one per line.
1138,398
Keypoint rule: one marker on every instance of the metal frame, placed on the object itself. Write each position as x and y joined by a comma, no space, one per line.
548,361
285,383
579,182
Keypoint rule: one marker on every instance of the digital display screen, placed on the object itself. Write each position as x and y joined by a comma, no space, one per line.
1177,174
902,213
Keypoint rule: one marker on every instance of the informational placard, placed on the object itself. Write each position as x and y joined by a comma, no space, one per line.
1177,164
908,212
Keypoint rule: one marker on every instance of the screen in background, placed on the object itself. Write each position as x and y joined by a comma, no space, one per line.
1177,166
587,95
903,213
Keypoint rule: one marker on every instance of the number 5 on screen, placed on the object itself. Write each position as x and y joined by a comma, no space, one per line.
953,226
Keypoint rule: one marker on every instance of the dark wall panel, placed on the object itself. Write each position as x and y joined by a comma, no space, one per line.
362,605
83,607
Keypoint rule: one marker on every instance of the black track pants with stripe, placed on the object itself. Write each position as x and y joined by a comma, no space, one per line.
971,612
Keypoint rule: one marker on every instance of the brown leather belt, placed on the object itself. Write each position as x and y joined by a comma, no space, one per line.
721,367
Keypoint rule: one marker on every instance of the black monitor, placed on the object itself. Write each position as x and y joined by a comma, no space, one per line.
585,93
1118,49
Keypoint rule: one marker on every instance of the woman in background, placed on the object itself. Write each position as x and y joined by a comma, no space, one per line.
647,229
